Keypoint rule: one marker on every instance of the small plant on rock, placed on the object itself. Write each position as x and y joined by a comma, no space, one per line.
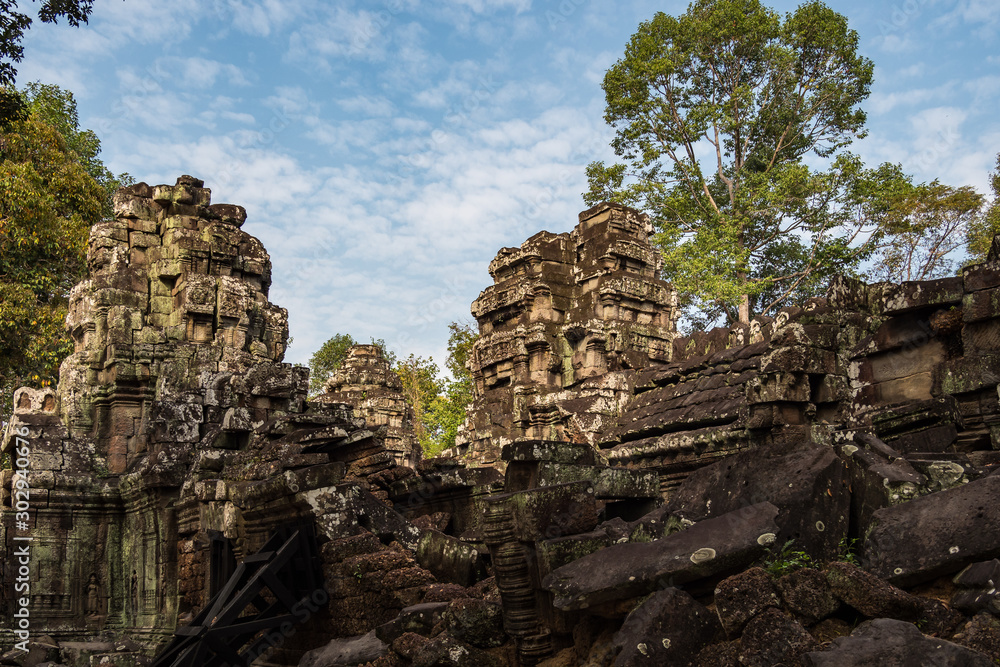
786,559
848,550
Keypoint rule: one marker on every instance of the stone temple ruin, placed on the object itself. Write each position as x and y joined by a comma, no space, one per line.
817,488
567,316
366,381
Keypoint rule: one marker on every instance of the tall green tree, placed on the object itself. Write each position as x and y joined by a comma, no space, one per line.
715,112
421,386
13,24
49,198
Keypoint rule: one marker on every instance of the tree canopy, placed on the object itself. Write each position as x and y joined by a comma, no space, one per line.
50,195
927,226
447,410
715,113
422,385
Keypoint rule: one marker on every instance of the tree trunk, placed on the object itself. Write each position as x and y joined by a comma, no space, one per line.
745,309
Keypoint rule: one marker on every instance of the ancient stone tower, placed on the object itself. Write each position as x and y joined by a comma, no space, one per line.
176,300
366,381
567,315
176,437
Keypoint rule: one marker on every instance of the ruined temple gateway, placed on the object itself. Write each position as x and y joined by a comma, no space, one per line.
607,466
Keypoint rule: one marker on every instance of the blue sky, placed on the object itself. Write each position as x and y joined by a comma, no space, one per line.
386,150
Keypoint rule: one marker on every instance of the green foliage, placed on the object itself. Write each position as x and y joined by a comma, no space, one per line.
421,387
786,559
327,359
57,107
848,550
981,231
13,24
49,198
927,223
714,113
447,410
460,341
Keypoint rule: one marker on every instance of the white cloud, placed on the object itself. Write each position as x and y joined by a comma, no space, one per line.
345,134
490,6
147,22
881,103
916,69
984,90
982,15
292,101
896,43
341,34
367,106
937,145
196,72
262,17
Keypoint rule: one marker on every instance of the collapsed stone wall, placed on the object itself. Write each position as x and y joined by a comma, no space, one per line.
909,364
859,429
864,418
567,317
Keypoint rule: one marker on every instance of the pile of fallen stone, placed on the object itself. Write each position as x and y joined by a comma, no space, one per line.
749,563
397,613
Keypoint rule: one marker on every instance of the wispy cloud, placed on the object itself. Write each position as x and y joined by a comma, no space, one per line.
201,73
261,18
881,102
983,16
340,34
368,106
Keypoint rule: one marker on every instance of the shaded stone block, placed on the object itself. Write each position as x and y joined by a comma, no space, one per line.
773,638
669,627
893,644
742,596
807,594
623,571
808,485
957,527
